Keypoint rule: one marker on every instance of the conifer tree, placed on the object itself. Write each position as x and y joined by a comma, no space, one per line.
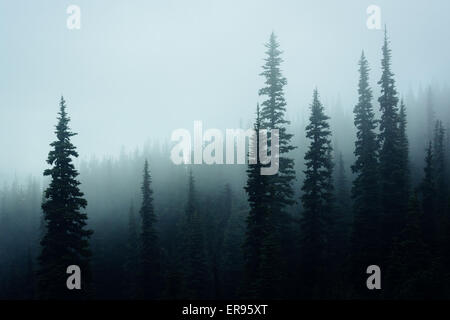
42,224
256,189
196,277
430,114
440,168
391,170
150,255
273,117
404,177
342,188
316,199
279,186
339,228
132,262
365,249
428,191
65,242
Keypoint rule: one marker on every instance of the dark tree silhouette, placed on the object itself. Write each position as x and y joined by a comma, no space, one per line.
150,268
317,199
403,144
65,242
279,186
257,219
391,163
195,274
439,154
132,262
428,191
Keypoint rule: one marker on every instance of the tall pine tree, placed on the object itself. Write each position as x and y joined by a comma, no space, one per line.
65,241
279,186
428,192
317,200
132,262
150,255
404,177
195,272
273,117
439,154
391,169
365,249
256,221
338,230
430,114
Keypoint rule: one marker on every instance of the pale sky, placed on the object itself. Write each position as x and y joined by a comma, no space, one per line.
137,70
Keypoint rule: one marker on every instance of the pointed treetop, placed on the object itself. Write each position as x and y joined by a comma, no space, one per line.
272,50
363,59
386,53
62,108
257,113
316,95
386,39
273,37
146,171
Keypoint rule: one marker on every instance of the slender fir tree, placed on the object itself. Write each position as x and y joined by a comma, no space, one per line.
195,272
150,255
339,228
364,247
440,168
428,192
316,199
391,163
342,185
404,172
65,241
273,117
256,221
430,114
279,186
132,262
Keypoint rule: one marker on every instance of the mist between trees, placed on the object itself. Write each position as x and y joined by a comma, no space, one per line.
352,190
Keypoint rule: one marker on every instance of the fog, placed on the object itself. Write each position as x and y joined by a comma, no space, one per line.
138,70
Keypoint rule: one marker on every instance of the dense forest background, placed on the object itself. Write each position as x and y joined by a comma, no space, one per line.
340,208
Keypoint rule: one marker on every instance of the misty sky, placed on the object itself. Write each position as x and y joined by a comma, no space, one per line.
139,69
